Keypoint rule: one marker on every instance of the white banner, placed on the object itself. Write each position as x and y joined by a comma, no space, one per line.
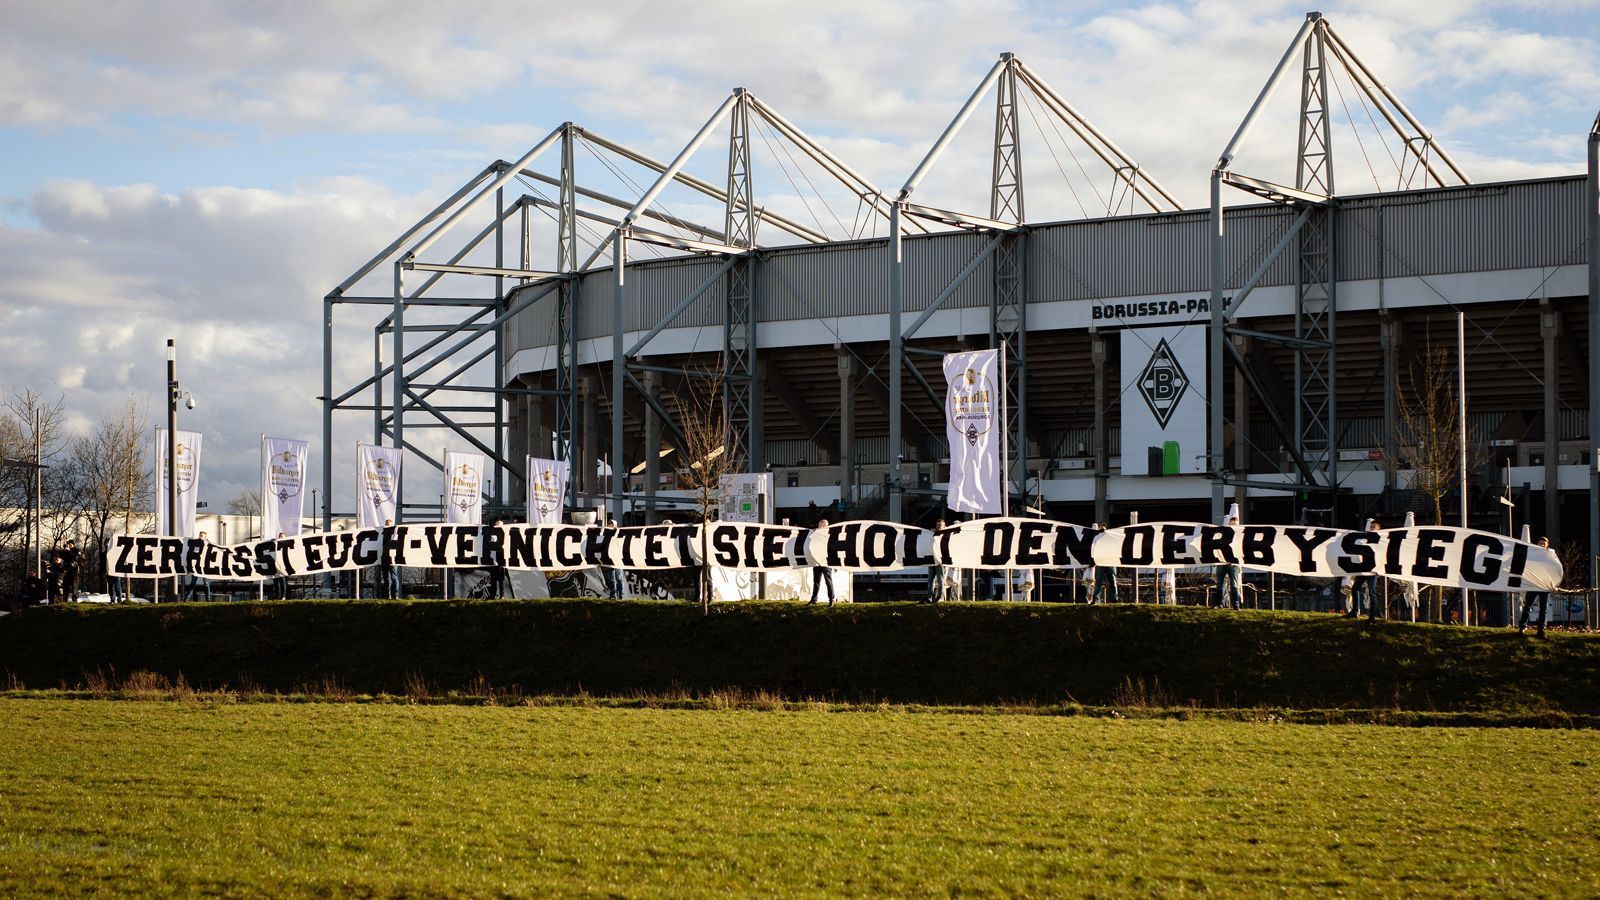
188,481
1164,400
377,484
974,423
283,486
547,490
463,487
1443,556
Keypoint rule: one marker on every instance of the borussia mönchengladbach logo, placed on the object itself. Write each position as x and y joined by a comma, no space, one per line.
1163,383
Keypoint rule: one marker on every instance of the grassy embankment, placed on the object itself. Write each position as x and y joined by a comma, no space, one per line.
972,654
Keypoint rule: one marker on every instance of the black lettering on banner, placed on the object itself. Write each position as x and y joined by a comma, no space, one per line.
725,545
596,547
467,550
285,560
1030,543
1359,556
997,540
1138,545
1519,564
436,539
911,547
1216,545
942,545
337,545
193,555
265,556
171,556
241,561
878,540
143,561
1481,558
394,545
367,544
1307,540
1074,544
569,548
1395,541
1175,543
1257,546
772,549
655,547
683,536
124,549
519,548
1431,545
842,549
313,553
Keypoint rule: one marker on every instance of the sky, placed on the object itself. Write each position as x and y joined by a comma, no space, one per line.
208,171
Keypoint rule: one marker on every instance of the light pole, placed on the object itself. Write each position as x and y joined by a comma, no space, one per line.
174,394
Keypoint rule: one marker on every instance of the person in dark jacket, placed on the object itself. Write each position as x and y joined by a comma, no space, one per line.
69,572
1530,598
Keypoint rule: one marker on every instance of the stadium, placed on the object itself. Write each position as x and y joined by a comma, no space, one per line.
1294,350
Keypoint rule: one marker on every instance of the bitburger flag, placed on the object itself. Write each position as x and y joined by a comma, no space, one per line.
377,484
283,486
547,490
463,488
188,481
974,423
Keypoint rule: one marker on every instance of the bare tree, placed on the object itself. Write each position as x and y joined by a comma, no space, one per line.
709,453
248,503
18,528
115,483
1429,406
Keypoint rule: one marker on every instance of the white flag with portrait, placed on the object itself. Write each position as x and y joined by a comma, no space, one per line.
283,486
974,423
463,488
547,490
377,484
188,481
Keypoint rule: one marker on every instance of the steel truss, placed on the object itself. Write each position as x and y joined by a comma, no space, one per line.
1310,431
1007,248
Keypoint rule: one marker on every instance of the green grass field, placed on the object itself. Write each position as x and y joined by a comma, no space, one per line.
318,798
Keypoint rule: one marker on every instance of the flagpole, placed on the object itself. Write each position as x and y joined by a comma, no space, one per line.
261,513
1461,408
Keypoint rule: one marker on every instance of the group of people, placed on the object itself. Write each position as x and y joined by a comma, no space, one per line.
57,578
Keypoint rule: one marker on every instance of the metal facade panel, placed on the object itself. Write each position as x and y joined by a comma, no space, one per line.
1477,228
823,282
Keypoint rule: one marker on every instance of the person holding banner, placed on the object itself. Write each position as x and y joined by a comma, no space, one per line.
938,586
1230,579
821,574
613,575
1531,597
194,584
1363,589
388,572
1105,579
498,576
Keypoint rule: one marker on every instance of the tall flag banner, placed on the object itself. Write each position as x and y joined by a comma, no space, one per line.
974,423
188,481
1164,400
283,486
377,484
463,488
547,490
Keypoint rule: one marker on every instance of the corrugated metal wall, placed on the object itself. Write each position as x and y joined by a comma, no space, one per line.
1483,228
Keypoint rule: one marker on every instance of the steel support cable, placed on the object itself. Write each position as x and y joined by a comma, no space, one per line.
797,167
1355,131
1067,145
1045,139
1361,98
670,218
593,237
798,193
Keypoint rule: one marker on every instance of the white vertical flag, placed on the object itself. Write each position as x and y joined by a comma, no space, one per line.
377,484
283,486
974,423
463,488
188,481
547,490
